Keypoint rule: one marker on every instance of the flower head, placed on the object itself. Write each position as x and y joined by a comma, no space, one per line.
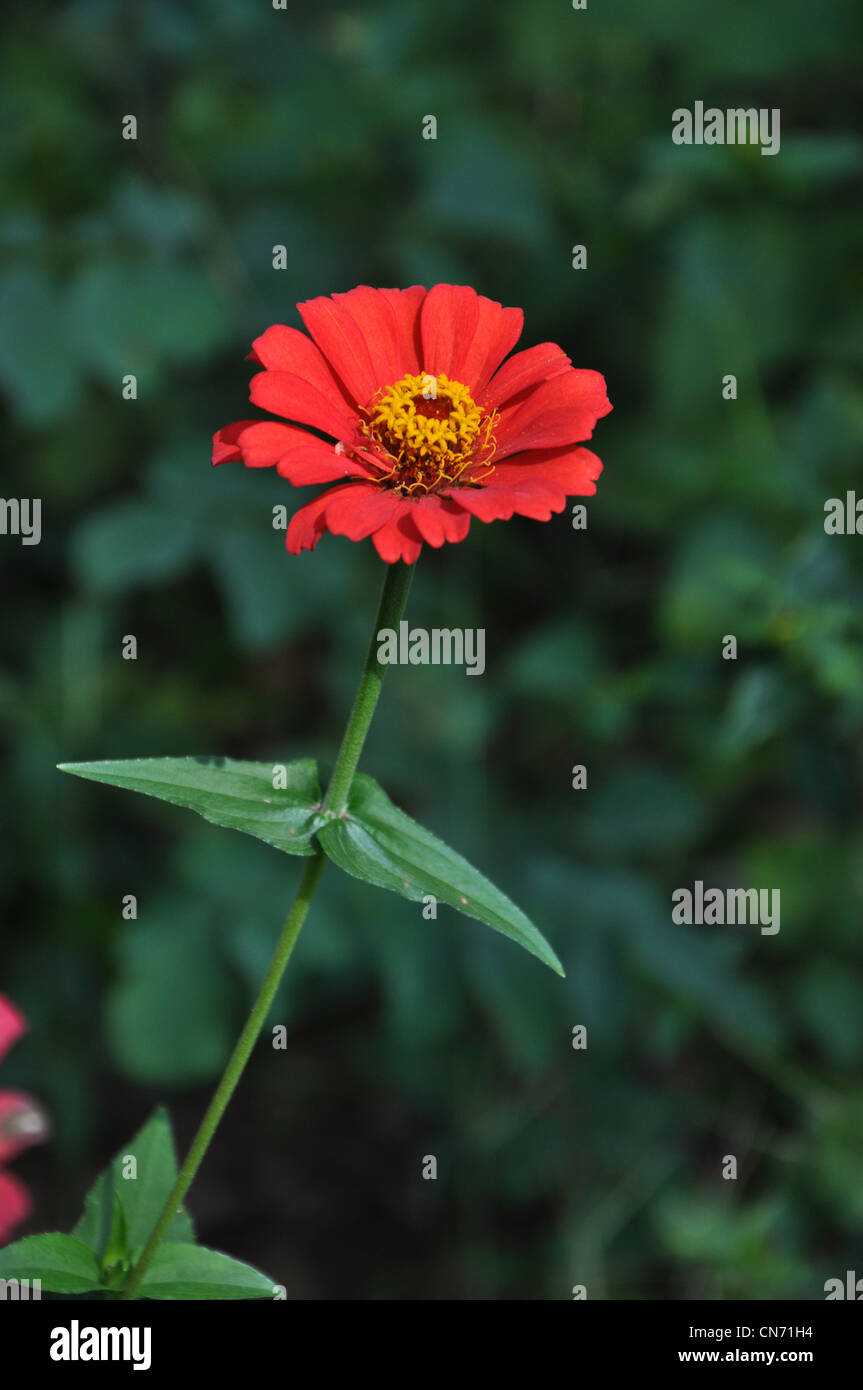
424,427
22,1123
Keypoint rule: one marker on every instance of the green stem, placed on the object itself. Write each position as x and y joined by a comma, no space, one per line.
235,1068
392,603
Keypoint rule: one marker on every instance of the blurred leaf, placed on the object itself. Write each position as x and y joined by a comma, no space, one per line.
169,1015
38,367
133,543
830,1004
490,190
158,216
261,599
556,664
762,703
719,585
710,1229
641,809
697,969
133,317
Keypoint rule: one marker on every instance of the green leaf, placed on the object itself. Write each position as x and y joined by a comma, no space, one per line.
117,1250
237,795
111,1236
63,1264
377,842
192,1271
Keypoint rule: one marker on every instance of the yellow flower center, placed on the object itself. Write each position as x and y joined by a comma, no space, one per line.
429,429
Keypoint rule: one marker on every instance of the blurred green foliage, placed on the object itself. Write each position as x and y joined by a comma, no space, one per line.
557,1167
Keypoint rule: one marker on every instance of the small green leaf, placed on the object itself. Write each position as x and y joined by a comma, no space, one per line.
118,1245
238,795
112,1238
192,1271
377,842
62,1263
97,1224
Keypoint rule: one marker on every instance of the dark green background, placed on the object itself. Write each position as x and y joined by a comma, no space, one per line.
407,1038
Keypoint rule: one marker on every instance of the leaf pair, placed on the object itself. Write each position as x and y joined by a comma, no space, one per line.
120,1211
372,839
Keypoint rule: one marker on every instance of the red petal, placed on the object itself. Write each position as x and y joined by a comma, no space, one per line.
315,461
406,305
282,349
261,443
465,335
398,539
388,321
524,370
533,498
449,318
225,446
12,1024
561,411
573,470
352,510
498,330
15,1205
486,503
300,457
308,524
294,398
438,519
341,340
528,495
358,510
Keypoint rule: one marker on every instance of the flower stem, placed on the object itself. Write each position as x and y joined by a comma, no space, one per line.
234,1070
393,599
392,604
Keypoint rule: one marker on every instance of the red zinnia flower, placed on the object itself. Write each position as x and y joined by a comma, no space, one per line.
428,428
22,1123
